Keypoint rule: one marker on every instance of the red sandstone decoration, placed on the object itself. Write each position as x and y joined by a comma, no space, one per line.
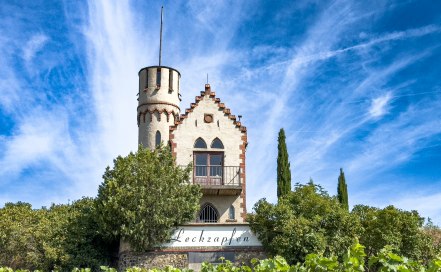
238,124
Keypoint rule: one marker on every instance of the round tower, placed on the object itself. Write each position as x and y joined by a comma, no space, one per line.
158,105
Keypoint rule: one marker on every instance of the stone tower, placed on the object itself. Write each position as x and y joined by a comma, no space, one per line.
158,105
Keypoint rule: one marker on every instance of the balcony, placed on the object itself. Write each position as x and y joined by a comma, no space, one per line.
218,180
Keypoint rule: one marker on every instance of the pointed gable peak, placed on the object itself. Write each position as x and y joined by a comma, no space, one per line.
212,95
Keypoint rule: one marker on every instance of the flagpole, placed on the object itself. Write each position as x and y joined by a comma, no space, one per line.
160,40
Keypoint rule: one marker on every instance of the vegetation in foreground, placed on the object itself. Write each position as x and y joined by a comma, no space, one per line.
140,200
354,260
309,220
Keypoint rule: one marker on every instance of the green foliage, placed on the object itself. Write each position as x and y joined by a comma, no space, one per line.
21,236
403,230
433,233
389,261
342,190
61,236
81,241
283,167
304,221
144,196
353,261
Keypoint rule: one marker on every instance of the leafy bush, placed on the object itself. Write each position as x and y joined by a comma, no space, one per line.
144,196
304,221
309,220
400,229
353,261
63,236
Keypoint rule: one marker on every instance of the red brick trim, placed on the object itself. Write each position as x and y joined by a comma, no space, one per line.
151,112
212,95
238,125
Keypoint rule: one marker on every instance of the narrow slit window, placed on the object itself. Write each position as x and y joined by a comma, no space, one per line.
170,80
158,77
232,213
147,78
157,138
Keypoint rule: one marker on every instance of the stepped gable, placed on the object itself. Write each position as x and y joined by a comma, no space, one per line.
221,106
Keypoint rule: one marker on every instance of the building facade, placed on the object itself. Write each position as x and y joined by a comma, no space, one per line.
206,135
214,141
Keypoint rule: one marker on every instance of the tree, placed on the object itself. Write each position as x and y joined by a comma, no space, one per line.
77,238
144,196
21,236
342,190
283,167
403,230
61,237
306,220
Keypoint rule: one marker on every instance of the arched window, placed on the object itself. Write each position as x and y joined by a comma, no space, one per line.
200,143
232,213
157,138
208,214
217,144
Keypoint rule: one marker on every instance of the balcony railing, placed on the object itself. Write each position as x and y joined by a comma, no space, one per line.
206,175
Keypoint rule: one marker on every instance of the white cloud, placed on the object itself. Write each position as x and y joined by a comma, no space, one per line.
33,142
427,204
379,105
282,90
33,46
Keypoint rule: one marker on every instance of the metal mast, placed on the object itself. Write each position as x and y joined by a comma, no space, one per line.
160,39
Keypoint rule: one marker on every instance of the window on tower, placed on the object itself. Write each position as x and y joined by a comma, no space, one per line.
157,138
208,214
170,81
158,77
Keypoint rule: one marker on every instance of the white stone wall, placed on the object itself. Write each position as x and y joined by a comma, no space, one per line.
222,204
147,130
186,134
223,128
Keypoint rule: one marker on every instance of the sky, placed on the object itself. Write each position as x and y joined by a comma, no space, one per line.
355,84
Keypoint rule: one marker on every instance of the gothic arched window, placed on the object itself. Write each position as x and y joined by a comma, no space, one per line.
157,138
200,143
208,214
217,144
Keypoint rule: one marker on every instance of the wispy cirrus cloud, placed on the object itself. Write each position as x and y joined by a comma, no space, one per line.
351,90
35,44
379,105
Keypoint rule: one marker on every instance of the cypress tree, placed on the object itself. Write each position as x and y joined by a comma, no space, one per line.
342,190
283,167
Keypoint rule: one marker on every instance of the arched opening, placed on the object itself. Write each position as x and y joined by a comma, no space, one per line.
157,138
208,214
232,213
158,77
217,143
200,143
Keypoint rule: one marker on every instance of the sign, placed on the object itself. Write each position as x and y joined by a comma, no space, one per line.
212,236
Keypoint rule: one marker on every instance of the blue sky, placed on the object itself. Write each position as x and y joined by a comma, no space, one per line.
354,84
